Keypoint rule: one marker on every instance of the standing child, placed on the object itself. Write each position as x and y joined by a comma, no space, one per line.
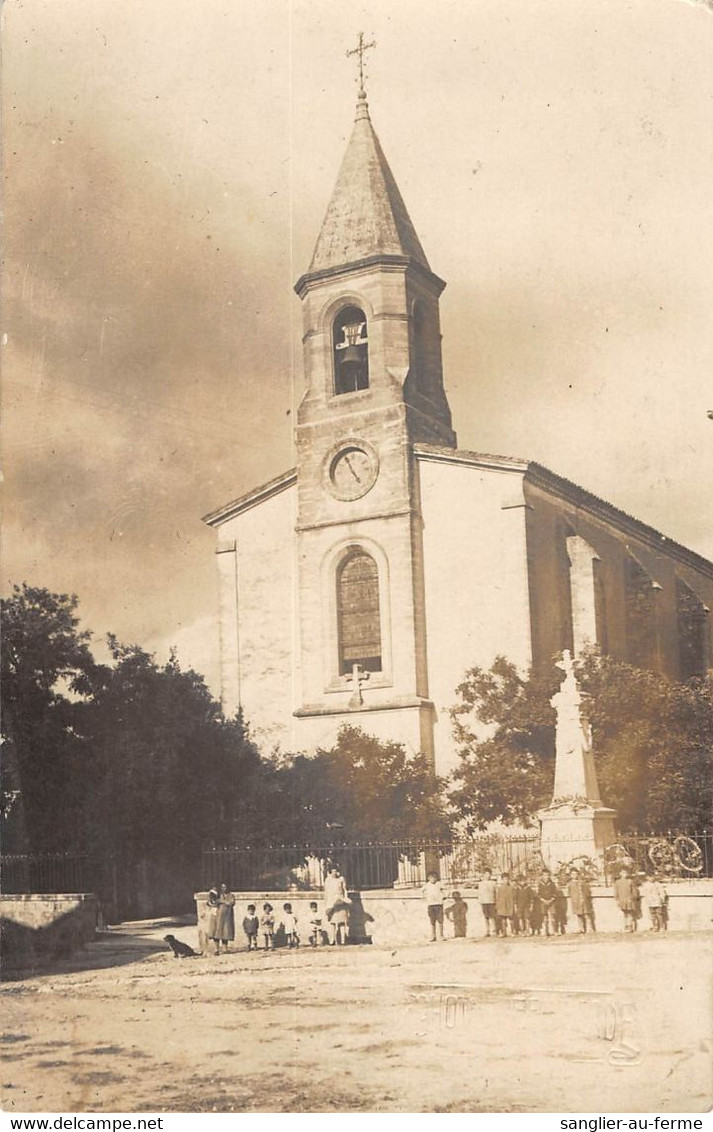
433,895
654,897
289,926
522,906
267,927
547,893
580,896
560,909
504,905
457,913
251,926
315,925
626,895
535,915
486,899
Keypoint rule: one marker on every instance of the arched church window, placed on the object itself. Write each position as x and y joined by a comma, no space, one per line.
358,613
691,614
350,350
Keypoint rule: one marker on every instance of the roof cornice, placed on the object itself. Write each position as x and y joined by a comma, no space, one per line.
386,261
473,459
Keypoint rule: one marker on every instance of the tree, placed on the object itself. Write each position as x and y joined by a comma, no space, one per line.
131,763
652,740
47,669
361,789
167,773
504,729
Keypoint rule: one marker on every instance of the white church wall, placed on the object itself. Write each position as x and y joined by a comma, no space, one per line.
400,725
476,579
257,629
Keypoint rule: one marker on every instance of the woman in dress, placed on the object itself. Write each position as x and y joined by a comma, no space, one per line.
211,924
336,905
225,918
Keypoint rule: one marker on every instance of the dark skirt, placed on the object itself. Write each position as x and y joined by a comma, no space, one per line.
224,923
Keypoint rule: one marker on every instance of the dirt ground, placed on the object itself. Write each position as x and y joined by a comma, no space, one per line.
576,1024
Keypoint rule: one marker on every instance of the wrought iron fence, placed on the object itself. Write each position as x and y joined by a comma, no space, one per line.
398,864
672,855
367,865
45,872
406,864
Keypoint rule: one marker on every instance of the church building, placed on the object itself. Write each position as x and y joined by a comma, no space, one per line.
359,587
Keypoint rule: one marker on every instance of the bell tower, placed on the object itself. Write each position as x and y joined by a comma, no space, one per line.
374,387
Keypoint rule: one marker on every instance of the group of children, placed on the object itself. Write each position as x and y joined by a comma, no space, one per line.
529,907
630,896
517,906
267,926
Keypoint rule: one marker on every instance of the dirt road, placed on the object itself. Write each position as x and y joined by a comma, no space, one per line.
595,1024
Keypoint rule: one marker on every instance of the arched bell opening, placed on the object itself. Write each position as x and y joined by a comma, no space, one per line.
350,348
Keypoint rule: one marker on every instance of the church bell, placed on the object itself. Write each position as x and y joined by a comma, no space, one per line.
351,356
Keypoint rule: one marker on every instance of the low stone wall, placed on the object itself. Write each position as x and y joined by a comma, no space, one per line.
35,929
392,917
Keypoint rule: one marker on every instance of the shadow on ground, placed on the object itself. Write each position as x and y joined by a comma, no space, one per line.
116,946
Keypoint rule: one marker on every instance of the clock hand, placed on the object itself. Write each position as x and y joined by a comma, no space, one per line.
348,462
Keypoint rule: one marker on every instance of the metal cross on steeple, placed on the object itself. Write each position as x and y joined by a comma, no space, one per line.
359,50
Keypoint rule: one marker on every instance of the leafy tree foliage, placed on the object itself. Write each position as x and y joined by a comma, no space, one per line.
47,667
504,728
167,771
652,741
360,790
131,763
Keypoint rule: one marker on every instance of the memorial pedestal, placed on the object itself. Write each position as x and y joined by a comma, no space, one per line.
568,831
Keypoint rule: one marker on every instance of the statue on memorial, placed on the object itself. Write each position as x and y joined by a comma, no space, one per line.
575,776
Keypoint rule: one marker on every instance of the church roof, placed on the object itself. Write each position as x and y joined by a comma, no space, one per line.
366,215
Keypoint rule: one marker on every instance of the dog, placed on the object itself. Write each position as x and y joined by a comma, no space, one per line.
180,949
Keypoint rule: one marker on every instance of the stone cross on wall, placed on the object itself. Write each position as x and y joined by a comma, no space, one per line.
359,676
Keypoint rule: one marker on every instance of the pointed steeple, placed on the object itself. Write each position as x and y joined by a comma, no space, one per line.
372,337
366,215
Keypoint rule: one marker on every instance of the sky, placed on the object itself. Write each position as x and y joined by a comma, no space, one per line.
167,168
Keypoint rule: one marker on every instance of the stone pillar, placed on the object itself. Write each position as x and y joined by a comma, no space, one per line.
581,582
575,823
229,641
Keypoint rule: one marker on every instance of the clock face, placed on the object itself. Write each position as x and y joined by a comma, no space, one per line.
353,471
